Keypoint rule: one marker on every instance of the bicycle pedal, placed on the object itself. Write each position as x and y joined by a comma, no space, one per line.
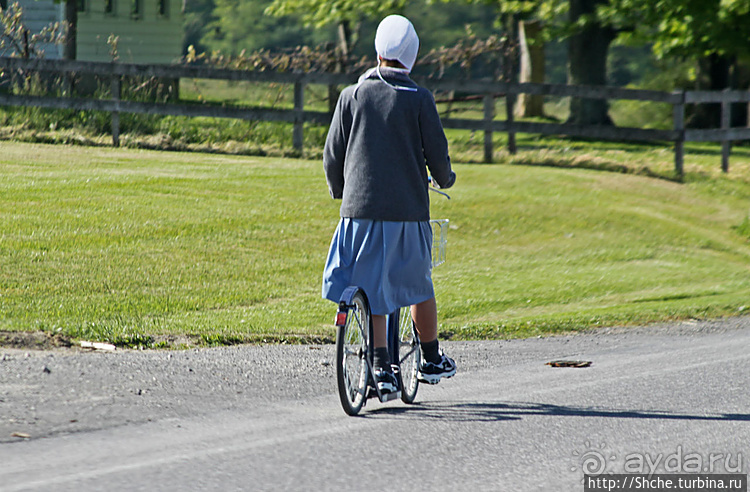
386,397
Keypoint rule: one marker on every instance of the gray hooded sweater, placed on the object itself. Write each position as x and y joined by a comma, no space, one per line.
382,139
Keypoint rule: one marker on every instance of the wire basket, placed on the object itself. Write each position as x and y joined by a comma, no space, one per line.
439,241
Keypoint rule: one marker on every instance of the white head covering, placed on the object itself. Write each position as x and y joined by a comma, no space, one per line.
396,39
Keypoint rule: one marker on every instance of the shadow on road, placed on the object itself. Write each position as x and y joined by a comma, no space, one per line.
497,411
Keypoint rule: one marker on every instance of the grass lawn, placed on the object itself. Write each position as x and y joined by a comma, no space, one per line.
132,246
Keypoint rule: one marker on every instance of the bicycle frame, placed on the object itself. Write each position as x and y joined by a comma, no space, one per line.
349,319
393,331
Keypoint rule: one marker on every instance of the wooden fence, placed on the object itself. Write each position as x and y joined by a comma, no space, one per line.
298,116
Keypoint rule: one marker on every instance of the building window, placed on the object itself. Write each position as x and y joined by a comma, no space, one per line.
162,8
82,7
136,9
109,7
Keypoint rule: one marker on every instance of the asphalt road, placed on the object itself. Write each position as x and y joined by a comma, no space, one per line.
668,398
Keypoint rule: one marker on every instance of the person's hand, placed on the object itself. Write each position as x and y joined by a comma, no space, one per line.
435,184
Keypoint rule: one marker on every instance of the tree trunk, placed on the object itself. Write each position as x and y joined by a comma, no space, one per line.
587,64
344,39
532,67
510,51
344,32
71,19
713,75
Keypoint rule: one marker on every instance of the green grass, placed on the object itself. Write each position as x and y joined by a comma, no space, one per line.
131,246
555,250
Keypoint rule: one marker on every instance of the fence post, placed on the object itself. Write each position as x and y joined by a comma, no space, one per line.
726,121
489,115
510,101
299,106
115,88
67,84
678,115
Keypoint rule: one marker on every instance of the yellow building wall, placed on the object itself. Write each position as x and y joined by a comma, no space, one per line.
147,38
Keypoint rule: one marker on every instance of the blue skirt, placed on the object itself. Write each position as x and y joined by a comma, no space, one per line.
391,261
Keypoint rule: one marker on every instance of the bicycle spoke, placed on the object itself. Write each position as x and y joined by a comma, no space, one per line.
408,354
362,332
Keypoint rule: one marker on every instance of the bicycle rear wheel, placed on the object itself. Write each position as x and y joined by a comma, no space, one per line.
352,342
409,355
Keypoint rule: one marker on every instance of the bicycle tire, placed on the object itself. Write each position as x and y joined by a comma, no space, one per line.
409,355
352,347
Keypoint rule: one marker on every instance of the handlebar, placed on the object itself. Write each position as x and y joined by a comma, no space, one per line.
433,187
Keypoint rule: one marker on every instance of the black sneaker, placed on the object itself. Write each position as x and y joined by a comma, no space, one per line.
432,373
386,381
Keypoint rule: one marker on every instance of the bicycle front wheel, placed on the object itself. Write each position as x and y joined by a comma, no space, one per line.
409,355
352,341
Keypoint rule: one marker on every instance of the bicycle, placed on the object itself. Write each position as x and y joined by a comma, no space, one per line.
355,373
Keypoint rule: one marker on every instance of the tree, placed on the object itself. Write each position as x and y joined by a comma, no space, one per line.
346,15
714,34
70,48
588,44
17,40
588,49
589,39
531,69
238,25
687,28
197,15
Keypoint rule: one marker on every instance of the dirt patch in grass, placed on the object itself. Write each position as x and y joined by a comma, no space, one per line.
47,341
33,340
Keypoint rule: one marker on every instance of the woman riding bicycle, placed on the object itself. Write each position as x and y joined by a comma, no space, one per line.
385,134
